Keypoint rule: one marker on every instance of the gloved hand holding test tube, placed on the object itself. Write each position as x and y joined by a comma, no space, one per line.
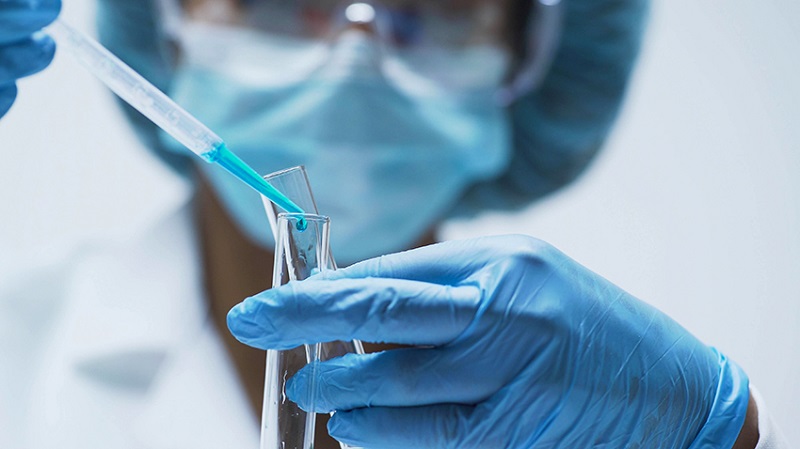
160,109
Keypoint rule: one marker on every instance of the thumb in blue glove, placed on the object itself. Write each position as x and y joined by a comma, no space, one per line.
515,346
24,50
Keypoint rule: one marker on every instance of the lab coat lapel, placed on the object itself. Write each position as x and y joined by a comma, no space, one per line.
148,332
197,401
132,304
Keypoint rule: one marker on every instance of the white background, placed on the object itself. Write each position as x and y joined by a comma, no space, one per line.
694,205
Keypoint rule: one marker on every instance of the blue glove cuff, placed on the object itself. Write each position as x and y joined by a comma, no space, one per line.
729,410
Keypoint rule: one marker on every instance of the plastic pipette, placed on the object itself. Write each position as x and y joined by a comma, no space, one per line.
160,109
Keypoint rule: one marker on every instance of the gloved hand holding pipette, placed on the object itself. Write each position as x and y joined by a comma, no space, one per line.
23,51
520,347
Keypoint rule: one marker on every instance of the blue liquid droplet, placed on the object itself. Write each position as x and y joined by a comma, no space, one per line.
302,225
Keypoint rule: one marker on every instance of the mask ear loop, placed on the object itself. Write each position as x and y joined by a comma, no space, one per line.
544,32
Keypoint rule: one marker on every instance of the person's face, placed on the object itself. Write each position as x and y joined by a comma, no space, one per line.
389,105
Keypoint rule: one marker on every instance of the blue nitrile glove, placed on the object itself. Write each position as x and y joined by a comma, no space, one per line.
518,346
23,49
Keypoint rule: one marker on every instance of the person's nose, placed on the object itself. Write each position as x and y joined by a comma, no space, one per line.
357,48
361,16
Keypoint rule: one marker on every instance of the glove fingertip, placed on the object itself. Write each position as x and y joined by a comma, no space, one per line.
294,388
232,319
242,326
298,391
340,428
246,310
8,93
44,50
45,43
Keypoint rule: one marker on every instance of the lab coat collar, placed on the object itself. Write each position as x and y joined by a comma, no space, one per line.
135,322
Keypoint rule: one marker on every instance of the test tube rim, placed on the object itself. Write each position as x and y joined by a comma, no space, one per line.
284,171
314,218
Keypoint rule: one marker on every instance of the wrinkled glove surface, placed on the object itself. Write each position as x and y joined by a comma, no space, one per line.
514,345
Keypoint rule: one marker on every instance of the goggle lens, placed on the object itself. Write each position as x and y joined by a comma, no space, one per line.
444,23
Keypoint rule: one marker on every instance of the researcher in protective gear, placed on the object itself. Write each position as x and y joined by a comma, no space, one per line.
403,113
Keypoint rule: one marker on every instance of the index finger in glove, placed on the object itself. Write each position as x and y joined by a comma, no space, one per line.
25,57
443,263
21,18
8,92
375,310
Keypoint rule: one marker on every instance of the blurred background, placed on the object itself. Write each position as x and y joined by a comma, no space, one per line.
693,206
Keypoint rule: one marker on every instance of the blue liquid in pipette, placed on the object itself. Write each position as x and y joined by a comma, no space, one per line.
225,158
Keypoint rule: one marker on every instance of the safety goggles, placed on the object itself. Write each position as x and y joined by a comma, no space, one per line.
528,30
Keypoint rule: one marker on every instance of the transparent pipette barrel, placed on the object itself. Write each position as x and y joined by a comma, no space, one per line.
159,108
300,252
135,90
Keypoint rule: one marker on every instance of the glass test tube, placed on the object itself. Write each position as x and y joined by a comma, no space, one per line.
293,183
300,251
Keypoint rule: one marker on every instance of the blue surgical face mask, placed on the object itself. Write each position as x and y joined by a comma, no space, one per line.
387,151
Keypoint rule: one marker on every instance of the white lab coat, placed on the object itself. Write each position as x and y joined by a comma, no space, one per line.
113,349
